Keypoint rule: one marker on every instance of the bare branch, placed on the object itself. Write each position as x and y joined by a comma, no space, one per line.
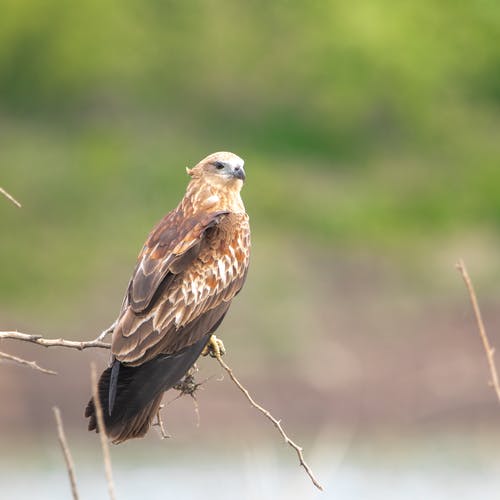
277,423
10,197
31,364
490,351
38,339
70,466
102,434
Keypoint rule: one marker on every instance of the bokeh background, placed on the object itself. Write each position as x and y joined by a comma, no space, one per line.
370,132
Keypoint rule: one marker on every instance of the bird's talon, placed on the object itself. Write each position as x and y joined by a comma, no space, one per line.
214,348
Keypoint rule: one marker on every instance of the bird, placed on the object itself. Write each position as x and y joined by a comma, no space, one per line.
193,263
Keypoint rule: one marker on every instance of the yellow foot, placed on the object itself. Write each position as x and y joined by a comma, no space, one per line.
215,347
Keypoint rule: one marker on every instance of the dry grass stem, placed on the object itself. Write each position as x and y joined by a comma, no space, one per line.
31,364
102,433
277,423
38,339
70,466
490,351
10,197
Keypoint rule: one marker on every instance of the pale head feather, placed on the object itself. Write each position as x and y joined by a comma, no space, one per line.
215,189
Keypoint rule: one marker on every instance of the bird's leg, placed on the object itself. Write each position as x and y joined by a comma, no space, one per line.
215,347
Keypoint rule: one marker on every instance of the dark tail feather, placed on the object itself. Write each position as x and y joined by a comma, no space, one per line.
113,384
129,409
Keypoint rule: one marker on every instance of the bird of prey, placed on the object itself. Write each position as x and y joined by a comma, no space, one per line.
192,265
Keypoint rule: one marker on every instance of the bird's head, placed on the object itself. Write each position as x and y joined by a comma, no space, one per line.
221,170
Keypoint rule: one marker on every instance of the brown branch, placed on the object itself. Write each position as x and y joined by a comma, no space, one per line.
31,364
10,197
102,434
38,339
277,423
490,351
70,466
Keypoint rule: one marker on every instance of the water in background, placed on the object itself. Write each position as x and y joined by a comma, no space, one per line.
432,467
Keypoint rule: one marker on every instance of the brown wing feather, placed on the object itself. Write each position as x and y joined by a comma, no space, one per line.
169,248
186,291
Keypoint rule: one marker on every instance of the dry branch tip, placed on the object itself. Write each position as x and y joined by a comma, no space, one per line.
21,361
489,350
277,423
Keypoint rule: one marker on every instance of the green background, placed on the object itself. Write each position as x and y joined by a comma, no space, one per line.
371,135
374,125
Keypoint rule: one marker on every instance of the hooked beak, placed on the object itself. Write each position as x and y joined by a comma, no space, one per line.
239,173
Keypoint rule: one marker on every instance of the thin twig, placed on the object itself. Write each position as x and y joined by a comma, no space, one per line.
277,423
10,197
104,333
159,423
102,434
38,339
31,364
490,351
70,466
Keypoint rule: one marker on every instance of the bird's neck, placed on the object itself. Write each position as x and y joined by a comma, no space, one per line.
203,197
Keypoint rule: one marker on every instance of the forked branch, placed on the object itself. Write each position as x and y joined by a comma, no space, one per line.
38,339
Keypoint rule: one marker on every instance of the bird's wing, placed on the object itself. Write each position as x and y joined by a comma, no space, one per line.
182,287
170,247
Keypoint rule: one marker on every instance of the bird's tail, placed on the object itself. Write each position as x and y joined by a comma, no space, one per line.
135,392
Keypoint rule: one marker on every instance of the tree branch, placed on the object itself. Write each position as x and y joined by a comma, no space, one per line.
490,351
10,197
277,423
38,339
70,466
31,364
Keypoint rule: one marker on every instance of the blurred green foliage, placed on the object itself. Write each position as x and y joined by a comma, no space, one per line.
369,124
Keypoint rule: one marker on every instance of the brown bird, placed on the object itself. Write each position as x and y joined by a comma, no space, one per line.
192,265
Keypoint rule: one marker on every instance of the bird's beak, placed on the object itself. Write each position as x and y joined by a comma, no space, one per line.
239,173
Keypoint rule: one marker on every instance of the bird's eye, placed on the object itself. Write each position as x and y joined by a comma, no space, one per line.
219,165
